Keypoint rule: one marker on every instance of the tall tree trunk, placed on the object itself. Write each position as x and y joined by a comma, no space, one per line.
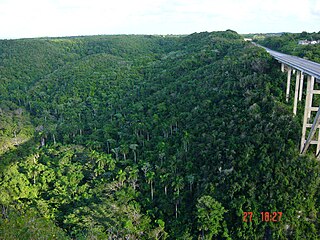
54,139
4,212
108,147
176,210
135,156
151,187
148,136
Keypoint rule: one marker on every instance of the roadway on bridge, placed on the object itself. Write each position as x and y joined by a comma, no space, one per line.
306,66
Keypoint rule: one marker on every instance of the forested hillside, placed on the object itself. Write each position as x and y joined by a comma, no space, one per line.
150,137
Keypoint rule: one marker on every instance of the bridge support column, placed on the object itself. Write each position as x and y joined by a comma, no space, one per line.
318,144
301,86
282,67
295,103
314,127
288,83
311,95
305,116
313,130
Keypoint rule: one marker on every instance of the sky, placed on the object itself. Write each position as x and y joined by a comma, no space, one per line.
56,18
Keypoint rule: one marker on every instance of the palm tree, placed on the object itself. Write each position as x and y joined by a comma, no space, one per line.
133,176
177,185
164,180
150,177
133,147
121,176
116,152
190,179
124,150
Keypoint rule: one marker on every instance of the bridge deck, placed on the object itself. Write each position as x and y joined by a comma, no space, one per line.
306,66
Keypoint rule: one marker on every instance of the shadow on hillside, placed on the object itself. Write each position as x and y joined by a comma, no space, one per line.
17,154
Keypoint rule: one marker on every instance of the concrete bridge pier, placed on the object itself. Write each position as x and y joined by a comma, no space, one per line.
301,86
298,85
288,83
302,67
296,92
311,95
305,116
313,138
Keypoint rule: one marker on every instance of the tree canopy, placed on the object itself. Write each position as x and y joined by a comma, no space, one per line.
150,137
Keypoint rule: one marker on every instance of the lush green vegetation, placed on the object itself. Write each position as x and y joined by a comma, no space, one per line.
289,43
149,137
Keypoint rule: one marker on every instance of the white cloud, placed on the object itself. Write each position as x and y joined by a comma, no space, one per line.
33,18
315,8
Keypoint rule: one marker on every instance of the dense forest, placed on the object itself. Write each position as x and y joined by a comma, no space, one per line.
150,137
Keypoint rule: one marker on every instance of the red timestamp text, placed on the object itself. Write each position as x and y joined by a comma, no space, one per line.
264,216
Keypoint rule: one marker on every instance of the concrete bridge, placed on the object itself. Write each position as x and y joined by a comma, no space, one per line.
302,69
